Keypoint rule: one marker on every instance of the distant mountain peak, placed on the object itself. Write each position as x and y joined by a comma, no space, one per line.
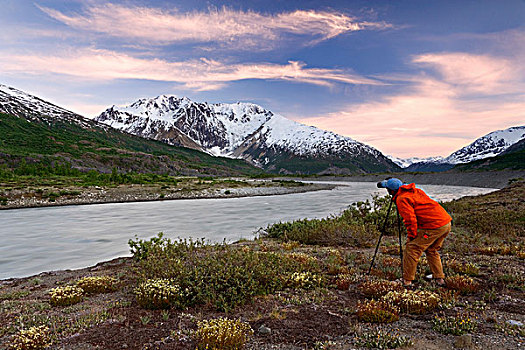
406,162
241,130
487,146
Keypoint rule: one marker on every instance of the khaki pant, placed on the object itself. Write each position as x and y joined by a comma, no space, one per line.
430,242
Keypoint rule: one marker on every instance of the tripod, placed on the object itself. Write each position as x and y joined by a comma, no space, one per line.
383,232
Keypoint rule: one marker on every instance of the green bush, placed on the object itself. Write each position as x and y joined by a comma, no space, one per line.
52,196
327,232
140,248
220,275
222,334
357,226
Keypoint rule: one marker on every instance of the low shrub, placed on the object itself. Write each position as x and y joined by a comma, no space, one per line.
305,260
334,231
140,248
500,249
222,334
160,294
356,226
381,339
463,284
469,269
502,220
378,288
221,275
343,281
99,284
334,263
305,280
448,297
52,196
510,278
413,302
65,296
456,325
34,338
377,312
390,250
291,245
388,268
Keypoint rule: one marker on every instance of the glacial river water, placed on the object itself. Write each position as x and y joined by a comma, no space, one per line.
44,239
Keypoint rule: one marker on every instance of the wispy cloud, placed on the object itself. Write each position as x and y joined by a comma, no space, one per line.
437,114
470,73
199,75
224,26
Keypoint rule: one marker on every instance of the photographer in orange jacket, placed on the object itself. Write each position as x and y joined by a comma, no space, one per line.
427,225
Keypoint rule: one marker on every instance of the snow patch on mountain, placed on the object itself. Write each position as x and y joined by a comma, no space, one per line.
489,145
10,95
406,162
24,105
222,128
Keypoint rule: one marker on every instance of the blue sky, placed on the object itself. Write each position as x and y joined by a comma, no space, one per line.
411,78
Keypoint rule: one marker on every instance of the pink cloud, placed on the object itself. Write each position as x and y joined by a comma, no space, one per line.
248,28
474,73
471,96
200,75
430,119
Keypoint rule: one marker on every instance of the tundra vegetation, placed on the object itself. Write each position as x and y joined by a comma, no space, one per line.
304,284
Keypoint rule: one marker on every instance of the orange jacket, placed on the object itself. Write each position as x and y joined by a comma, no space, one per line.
418,210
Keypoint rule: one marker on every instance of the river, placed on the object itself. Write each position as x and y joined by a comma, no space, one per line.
54,238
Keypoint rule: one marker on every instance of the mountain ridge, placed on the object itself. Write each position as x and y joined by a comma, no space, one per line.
248,131
487,146
37,131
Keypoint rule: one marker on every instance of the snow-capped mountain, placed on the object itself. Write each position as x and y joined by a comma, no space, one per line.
24,105
54,135
489,145
406,162
486,146
244,130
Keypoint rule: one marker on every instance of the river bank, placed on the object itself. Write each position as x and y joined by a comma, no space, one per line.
485,179
16,196
194,188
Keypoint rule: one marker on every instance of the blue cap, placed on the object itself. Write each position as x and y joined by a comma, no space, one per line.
392,184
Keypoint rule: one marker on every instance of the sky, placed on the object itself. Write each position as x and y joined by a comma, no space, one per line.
410,78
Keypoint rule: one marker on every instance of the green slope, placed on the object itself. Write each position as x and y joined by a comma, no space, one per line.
51,140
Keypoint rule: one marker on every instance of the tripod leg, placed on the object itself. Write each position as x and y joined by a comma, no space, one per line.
380,236
400,241
375,253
